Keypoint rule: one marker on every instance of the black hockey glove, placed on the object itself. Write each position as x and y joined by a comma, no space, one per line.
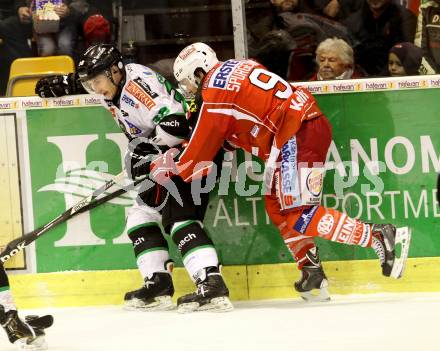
59,85
171,130
140,154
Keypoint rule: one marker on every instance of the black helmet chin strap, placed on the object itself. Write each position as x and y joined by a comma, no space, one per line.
117,96
109,74
120,85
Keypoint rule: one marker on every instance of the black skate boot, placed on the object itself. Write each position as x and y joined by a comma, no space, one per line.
212,294
28,334
313,278
385,237
155,295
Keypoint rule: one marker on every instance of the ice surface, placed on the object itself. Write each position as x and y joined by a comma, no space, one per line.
384,322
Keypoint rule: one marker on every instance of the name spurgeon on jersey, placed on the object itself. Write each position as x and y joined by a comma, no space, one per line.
231,74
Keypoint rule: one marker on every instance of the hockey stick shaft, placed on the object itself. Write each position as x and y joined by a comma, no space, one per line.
89,202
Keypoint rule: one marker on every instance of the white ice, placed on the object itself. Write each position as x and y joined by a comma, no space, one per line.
385,322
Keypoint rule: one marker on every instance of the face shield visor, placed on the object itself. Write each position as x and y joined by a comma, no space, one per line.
99,84
187,88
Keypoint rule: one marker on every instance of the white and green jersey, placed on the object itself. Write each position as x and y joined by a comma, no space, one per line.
145,99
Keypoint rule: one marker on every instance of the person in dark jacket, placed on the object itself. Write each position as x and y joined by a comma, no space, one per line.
428,36
376,27
285,38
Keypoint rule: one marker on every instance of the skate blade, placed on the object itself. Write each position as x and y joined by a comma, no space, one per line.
217,304
160,303
317,295
30,344
403,237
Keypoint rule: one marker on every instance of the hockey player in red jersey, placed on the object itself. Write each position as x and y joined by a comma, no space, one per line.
251,108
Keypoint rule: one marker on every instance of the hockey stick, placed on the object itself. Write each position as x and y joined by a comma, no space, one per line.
17,245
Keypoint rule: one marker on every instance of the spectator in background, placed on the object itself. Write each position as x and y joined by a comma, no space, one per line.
285,5
376,27
62,42
275,50
96,29
15,32
269,44
404,59
335,61
308,30
328,8
261,21
92,25
333,9
428,36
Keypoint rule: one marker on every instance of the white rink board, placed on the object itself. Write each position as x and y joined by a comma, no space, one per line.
392,322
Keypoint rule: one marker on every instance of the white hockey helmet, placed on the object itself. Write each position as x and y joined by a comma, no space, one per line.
193,57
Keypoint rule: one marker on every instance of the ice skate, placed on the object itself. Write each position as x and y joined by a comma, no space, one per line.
211,295
155,295
28,334
313,283
385,239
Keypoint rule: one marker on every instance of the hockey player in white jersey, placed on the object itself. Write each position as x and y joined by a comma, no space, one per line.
147,107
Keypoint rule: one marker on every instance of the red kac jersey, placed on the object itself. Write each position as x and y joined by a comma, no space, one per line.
249,107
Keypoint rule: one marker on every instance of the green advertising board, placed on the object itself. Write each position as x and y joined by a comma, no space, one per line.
382,167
